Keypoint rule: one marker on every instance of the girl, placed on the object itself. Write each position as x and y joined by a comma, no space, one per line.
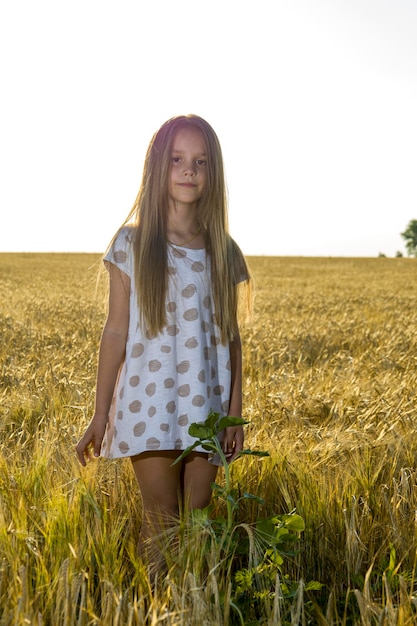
170,350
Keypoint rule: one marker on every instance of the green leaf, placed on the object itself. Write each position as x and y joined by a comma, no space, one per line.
282,536
313,585
275,557
186,451
243,580
265,527
211,420
200,516
232,501
217,488
254,453
291,521
295,522
226,422
249,496
201,431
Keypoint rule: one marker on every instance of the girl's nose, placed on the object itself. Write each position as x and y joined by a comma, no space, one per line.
189,168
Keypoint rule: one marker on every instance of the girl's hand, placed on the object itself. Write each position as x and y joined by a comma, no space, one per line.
233,442
93,437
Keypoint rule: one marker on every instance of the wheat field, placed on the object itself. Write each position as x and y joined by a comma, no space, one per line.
330,382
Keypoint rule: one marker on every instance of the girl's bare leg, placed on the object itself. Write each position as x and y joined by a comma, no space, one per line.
159,482
196,478
163,486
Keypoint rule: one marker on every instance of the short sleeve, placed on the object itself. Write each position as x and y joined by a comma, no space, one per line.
120,251
240,268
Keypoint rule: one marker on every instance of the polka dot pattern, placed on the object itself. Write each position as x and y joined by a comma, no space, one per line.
153,443
120,257
198,400
176,378
183,420
189,291
178,253
137,350
139,429
171,407
183,367
184,391
190,315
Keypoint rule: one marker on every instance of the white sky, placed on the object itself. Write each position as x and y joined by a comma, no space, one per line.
314,102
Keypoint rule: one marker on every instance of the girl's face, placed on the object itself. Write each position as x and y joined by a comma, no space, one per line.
188,170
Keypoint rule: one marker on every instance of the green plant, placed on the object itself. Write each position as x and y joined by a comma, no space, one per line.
206,434
254,555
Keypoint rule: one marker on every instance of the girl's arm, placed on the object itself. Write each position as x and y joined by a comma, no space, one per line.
234,436
111,355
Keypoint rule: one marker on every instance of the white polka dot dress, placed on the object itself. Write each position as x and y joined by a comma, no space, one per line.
169,381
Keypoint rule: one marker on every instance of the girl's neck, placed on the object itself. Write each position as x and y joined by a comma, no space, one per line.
184,230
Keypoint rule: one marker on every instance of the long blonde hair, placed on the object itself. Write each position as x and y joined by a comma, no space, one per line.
149,214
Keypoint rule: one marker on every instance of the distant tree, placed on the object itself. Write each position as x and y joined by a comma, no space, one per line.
399,254
410,236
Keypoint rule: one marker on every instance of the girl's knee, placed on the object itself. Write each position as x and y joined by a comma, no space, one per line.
160,516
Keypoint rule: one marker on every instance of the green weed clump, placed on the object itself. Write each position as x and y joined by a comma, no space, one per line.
330,379
250,557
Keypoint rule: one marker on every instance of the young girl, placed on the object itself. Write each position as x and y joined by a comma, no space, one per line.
170,350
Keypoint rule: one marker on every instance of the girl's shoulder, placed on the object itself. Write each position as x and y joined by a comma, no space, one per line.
240,267
124,236
120,249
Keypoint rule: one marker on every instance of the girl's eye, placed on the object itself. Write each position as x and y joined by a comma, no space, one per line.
200,162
